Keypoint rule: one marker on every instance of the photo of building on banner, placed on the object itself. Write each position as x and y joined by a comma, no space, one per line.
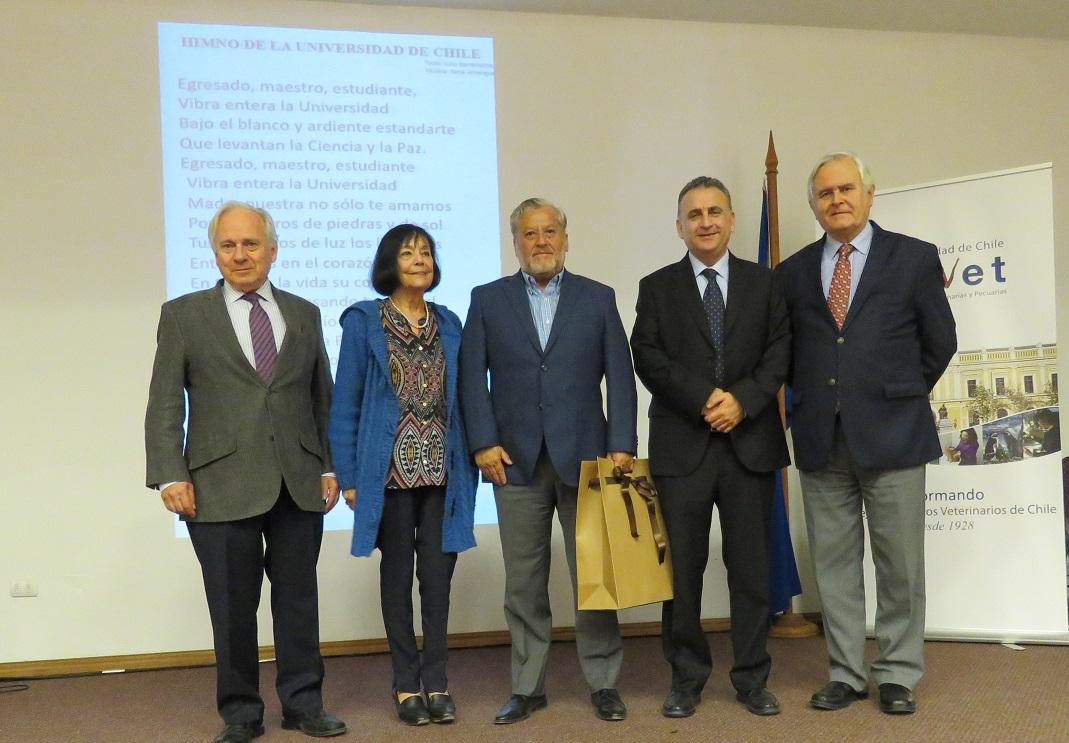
995,499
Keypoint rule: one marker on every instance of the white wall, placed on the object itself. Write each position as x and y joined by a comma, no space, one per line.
609,117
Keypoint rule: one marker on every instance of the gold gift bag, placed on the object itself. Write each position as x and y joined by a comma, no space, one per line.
621,547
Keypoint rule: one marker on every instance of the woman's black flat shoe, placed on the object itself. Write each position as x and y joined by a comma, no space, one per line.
441,708
412,711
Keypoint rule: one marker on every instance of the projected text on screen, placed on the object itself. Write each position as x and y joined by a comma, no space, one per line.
340,135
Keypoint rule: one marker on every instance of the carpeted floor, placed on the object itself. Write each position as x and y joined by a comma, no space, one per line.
972,693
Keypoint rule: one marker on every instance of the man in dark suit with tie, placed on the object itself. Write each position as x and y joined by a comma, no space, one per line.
254,467
711,344
548,338
872,333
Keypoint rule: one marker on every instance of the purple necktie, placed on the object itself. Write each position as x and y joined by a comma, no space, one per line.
263,338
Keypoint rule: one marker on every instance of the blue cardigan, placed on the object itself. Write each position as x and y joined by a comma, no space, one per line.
363,423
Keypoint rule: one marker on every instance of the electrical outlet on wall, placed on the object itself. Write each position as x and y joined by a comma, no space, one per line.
23,589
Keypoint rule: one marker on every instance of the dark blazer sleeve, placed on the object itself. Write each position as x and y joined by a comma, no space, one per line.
621,394
166,410
935,320
322,390
475,401
672,384
759,386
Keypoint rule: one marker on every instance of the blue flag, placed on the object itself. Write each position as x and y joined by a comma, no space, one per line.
783,583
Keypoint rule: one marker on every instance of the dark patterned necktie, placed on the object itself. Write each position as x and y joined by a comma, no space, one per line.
839,292
263,338
713,302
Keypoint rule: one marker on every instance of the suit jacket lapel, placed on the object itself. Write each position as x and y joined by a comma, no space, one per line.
566,309
735,297
517,291
217,318
812,256
874,267
294,328
690,302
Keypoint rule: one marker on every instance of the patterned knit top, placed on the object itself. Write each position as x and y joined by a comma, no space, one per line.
417,373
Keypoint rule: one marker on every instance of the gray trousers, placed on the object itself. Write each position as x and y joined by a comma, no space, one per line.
893,505
525,520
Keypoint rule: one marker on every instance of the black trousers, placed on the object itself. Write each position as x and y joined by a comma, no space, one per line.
233,560
743,500
410,534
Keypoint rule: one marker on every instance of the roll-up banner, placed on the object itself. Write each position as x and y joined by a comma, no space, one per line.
996,526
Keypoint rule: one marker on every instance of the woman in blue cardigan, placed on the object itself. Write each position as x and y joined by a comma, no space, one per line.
402,459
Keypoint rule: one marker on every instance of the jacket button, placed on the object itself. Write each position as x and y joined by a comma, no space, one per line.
840,340
539,406
545,368
831,382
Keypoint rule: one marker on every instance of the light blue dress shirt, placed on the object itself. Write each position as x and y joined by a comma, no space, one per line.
543,304
857,259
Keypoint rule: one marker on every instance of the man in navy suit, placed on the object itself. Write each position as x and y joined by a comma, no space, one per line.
872,333
711,344
547,337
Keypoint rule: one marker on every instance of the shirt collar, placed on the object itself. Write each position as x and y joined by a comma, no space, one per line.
231,295
553,287
861,243
721,266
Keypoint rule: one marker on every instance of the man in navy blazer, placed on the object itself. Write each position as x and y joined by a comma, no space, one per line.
872,334
716,437
548,338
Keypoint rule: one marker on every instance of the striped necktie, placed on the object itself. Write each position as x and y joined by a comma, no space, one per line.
263,338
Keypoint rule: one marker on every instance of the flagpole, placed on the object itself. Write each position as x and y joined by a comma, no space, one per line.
771,174
787,624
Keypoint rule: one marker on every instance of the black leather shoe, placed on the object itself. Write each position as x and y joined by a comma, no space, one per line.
608,705
759,701
896,699
240,732
519,707
318,724
412,711
441,708
836,695
679,704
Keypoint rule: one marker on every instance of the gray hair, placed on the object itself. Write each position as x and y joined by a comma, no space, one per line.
269,224
704,181
862,169
530,205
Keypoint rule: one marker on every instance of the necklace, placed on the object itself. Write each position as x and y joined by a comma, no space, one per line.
417,325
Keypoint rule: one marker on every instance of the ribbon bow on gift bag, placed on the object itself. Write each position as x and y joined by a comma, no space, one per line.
622,553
